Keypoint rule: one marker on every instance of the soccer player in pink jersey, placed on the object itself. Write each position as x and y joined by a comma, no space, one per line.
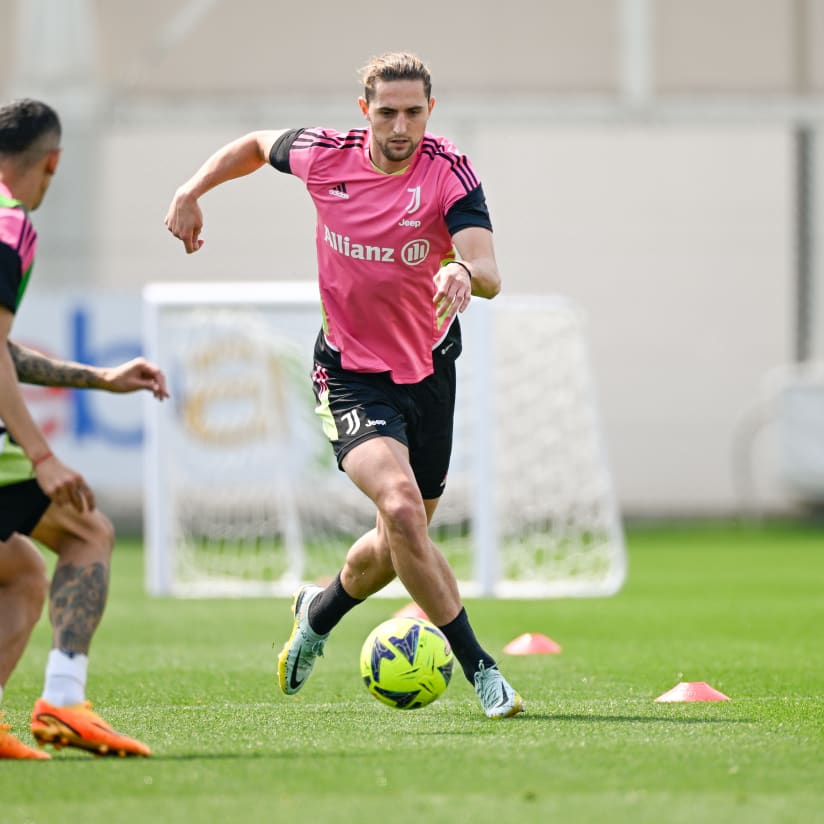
40,496
404,241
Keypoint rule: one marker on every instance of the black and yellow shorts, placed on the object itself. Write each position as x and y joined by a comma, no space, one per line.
22,501
356,406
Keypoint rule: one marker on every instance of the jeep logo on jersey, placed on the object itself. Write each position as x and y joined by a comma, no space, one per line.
415,252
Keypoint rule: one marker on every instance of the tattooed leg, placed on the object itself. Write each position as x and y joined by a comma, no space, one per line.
83,542
77,600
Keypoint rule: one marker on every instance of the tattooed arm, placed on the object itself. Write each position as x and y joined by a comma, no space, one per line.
34,367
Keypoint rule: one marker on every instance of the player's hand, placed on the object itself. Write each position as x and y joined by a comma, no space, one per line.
185,220
136,374
453,290
63,485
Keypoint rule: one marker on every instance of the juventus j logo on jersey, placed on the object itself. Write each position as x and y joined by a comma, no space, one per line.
415,202
352,420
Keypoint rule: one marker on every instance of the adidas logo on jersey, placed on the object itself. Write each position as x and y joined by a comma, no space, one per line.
339,191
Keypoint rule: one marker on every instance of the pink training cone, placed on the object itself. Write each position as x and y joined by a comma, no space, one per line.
532,643
692,691
411,610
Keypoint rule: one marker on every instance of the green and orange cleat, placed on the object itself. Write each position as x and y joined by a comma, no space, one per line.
79,726
13,747
299,653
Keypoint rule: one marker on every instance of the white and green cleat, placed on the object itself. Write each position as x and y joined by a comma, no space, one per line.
299,653
497,698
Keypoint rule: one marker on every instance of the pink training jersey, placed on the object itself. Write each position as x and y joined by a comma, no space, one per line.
18,240
380,240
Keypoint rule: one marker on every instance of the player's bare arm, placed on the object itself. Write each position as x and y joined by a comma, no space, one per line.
61,483
236,159
36,368
475,274
477,250
13,410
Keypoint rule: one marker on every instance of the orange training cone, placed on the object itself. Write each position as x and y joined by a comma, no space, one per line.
411,610
692,691
532,643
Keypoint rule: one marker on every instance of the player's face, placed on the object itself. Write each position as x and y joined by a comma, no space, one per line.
398,114
48,167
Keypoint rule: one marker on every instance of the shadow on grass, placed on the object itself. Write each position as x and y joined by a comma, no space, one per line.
483,726
75,760
642,719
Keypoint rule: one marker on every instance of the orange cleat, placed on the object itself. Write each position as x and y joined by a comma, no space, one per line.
13,747
79,726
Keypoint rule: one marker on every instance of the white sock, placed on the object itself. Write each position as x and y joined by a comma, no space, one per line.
1,694
65,678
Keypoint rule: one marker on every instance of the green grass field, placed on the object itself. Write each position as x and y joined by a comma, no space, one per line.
741,608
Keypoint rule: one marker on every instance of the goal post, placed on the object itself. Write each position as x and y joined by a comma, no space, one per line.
242,493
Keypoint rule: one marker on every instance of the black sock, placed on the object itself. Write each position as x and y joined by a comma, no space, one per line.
330,606
465,646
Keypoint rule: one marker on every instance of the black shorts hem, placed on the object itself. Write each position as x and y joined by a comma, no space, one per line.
22,505
342,451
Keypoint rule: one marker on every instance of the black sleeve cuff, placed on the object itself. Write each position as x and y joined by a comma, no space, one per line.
11,274
470,210
279,153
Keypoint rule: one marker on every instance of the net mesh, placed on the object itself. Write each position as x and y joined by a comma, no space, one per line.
244,496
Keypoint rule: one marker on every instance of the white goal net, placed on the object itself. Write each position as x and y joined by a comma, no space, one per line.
242,493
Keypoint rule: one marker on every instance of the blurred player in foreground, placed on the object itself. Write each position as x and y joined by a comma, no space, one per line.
394,205
40,496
